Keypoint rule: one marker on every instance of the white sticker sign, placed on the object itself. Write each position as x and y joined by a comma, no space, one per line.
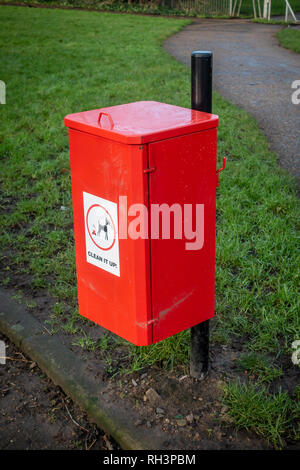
101,233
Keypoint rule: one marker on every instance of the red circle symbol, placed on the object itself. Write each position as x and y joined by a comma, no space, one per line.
110,223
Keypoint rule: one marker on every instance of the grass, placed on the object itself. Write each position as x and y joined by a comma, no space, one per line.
87,343
70,61
259,367
279,22
272,417
167,354
290,38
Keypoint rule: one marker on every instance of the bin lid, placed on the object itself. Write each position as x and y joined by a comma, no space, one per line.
141,122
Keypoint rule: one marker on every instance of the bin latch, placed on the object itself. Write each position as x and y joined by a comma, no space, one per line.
221,169
150,170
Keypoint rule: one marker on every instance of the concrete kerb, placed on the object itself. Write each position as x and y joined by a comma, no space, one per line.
65,369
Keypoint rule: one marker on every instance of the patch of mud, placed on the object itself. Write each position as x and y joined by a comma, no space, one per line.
35,414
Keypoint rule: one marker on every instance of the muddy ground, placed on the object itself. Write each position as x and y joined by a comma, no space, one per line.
35,414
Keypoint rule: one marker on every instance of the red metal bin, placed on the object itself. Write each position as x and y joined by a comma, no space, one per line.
147,288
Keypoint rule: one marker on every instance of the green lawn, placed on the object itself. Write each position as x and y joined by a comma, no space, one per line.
290,38
57,62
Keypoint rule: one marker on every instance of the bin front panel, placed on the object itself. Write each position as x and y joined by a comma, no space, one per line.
113,276
183,280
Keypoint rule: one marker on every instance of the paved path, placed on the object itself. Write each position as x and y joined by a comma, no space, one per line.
253,71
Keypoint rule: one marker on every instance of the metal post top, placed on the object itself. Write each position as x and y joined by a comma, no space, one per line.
202,54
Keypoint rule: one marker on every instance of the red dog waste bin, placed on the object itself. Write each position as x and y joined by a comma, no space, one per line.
144,201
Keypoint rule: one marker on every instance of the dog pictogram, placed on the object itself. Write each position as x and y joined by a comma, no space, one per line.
104,228
100,227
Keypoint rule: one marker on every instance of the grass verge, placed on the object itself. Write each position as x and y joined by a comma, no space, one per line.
272,417
70,61
272,22
290,39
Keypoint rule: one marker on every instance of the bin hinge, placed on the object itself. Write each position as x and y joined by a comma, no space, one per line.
150,170
221,169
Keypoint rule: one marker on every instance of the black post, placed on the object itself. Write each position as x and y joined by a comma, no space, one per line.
199,355
201,101
202,81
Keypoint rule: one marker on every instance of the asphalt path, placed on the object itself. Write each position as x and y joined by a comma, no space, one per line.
253,71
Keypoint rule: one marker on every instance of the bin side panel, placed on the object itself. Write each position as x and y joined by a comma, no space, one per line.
107,170
183,281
